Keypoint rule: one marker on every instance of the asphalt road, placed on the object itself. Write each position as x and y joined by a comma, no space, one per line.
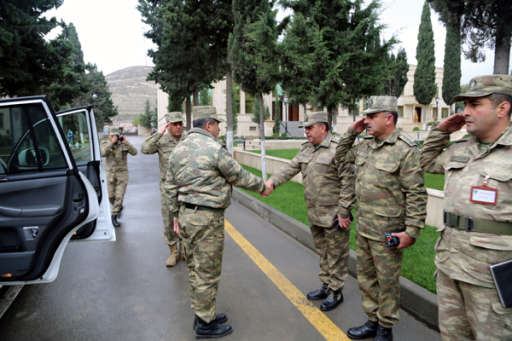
123,291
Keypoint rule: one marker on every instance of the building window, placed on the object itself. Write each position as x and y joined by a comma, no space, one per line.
444,112
252,128
400,111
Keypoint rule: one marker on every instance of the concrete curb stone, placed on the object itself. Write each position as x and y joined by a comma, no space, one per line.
419,302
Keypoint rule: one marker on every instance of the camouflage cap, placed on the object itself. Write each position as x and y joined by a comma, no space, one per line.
487,85
381,103
315,117
114,131
206,111
173,117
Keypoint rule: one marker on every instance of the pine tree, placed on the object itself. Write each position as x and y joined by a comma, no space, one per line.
452,70
425,74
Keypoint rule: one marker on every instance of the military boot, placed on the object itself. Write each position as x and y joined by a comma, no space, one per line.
171,260
384,334
220,318
362,332
211,330
114,221
332,301
318,294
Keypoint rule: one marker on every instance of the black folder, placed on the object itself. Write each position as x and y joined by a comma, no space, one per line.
502,275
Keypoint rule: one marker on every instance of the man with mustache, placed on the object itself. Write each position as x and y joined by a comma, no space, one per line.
391,198
477,231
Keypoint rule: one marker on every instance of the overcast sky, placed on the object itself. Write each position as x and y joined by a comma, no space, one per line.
112,33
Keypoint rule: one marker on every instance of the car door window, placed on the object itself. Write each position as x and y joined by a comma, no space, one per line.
77,135
27,141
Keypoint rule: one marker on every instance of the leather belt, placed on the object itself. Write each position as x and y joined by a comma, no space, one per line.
199,207
469,224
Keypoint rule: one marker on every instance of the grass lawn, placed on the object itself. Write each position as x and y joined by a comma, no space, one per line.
418,261
435,181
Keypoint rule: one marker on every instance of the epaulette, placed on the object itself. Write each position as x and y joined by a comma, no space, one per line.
335,139
407,140
464,139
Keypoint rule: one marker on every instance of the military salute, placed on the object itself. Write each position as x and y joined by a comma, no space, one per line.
322,186
115,149
199,184
391,198
163,144
477,231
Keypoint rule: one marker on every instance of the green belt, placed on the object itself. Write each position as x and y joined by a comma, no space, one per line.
476,225
200,208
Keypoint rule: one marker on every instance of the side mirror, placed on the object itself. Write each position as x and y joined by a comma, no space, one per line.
29,157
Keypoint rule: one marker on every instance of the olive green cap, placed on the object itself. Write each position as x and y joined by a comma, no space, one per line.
173,117
381,103
487,85
114,131
206,111
315,117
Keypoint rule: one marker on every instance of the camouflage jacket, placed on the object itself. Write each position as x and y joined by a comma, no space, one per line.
462,255
116,154
389,185
322,183
163,145
201,172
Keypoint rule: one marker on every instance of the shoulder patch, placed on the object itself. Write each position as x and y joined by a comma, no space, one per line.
407,140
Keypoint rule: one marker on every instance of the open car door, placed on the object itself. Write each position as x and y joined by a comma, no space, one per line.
44,198
79,127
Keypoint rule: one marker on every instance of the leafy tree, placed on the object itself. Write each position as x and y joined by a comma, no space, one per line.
425,74
149,118
277,117
254,54
396,78
204,97
452,69
482,23
344,54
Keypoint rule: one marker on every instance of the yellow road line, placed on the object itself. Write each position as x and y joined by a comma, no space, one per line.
317,318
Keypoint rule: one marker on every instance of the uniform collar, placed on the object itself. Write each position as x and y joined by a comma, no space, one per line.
324,144
506,138
390,139
202,132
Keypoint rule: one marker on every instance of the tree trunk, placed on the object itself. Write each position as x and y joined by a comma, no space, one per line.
262,137
229,113
188,112
329,116
502,52
196,98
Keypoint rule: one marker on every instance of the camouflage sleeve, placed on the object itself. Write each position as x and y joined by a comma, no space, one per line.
291,169
236,175
150,145
171,190
347,177
106,147
412,184
131,149
432,157
346,142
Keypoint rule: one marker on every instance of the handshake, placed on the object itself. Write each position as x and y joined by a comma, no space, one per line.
269,188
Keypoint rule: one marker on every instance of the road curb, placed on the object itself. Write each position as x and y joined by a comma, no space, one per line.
419,302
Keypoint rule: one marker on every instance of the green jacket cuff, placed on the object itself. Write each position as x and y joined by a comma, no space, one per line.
412,232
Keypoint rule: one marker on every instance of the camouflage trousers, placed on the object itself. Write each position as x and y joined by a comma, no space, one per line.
470,312
202,234
332,243
378,274
170,236
116,184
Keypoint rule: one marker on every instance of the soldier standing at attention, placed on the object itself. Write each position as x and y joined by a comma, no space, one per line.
115,149
477,231
390,197
322,186
199,184
163,144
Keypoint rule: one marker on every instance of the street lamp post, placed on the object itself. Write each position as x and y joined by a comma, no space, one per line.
285,100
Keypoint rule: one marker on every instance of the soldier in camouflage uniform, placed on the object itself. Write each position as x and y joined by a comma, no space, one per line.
390,197
198,184
322,186
477,229
163,144
115,150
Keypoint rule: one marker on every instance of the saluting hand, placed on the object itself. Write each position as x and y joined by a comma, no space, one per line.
452,123
359,125
165,128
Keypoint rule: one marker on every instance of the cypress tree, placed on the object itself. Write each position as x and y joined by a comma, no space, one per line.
451,72
425,74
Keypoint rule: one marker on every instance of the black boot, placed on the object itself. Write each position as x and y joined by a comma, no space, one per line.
384,334
114,221
362,332
211,330
332,301
220,318
318,294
